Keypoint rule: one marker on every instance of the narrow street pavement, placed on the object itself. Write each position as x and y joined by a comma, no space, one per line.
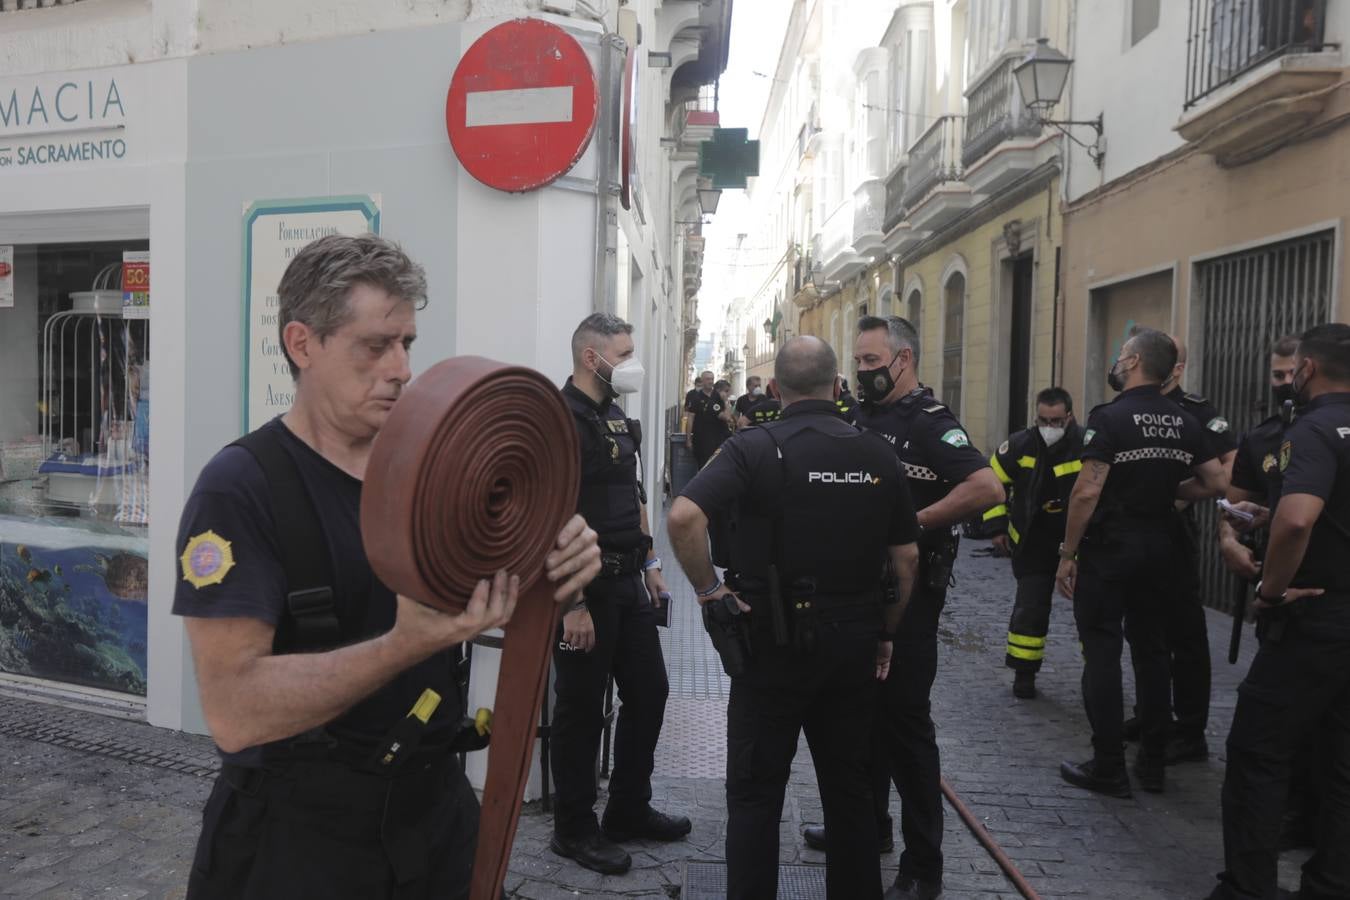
99,807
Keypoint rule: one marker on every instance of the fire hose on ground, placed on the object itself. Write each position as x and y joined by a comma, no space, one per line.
987,841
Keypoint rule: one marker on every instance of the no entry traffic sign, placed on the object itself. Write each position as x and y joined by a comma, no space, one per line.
522,105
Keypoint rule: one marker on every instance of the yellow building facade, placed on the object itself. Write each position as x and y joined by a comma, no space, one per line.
984,302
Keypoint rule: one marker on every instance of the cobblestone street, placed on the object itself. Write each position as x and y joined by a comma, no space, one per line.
82,814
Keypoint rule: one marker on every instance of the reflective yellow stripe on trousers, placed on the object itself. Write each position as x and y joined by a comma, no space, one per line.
1022,646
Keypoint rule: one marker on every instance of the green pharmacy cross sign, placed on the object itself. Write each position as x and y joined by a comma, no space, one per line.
728,159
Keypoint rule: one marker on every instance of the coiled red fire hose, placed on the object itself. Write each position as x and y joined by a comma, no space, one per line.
476,470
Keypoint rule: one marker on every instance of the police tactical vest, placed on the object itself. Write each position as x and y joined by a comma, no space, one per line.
834,500
610,497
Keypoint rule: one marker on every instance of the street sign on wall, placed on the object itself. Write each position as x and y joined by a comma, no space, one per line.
522,105
274,232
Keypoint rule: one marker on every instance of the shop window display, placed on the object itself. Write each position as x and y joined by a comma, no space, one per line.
75,466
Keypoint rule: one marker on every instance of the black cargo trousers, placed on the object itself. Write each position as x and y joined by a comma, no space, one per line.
324,829
905,750
829,692
627,647
1127,588
1299,684
1034,565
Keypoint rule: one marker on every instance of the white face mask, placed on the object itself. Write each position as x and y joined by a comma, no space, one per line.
757,392
626,377
1050,434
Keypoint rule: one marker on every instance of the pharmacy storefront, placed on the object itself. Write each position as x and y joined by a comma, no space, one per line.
146,215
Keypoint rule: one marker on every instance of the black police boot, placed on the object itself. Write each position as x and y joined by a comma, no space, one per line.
1094,775
1132,730
647,824
815,836
1187,748
907,887
1150,772
1024,684
592,850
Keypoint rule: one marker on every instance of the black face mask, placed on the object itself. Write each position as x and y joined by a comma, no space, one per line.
875,385
1114,379
1283,392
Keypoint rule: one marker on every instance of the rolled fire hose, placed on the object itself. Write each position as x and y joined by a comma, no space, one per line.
475,471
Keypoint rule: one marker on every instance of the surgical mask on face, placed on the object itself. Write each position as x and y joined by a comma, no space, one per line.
1051,434
757,392
876,385
625,378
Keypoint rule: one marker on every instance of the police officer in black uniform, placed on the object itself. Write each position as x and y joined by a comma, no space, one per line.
1121,559
333,702
1257,479
1301,673
1188,630
1038,466
613,630
1256,470
818,639
950,481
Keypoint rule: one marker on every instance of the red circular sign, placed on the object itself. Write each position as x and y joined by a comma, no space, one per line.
522,105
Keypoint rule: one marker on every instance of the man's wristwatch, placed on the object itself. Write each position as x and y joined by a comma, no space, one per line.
1068,555
1272,601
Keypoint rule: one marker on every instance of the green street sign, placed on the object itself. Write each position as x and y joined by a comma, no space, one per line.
728,159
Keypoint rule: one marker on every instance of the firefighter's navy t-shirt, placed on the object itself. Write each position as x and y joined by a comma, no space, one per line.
230,565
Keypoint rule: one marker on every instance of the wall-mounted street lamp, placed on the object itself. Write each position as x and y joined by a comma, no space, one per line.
818,279
1041,77
708,198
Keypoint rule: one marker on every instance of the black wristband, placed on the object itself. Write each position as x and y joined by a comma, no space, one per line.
885,635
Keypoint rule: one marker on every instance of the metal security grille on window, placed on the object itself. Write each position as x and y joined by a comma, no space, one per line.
16,5
920,473
1172,453
1248,301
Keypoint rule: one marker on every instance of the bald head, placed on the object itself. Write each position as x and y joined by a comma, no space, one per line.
805,369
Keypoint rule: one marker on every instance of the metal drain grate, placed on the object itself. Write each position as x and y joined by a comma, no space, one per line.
708,881
133,742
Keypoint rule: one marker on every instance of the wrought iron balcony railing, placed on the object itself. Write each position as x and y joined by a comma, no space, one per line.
1228,38
995,113
935,158
895,198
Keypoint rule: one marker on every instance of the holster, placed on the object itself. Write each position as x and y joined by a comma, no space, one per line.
1272,624
938,556
730,634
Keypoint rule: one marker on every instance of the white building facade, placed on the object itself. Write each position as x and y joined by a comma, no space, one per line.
216,138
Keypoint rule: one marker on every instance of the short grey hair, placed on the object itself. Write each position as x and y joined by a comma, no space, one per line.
316,287
899,332
596,325
806,366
